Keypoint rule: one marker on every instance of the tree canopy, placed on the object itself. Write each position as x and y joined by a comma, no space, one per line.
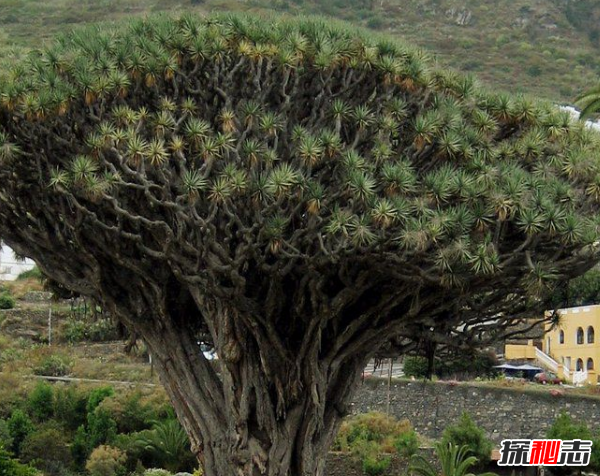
294,191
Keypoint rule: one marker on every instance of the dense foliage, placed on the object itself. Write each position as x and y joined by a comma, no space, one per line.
373,437
464,365
6,301
454,460
11,467
296,193
415,366
565,428
581,291
465,433
70,430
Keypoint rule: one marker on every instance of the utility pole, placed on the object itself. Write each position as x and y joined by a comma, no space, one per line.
389,389
50,325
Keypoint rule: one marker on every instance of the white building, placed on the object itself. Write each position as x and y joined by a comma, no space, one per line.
10,267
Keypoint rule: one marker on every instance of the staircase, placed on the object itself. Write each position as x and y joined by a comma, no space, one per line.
546,361
578,377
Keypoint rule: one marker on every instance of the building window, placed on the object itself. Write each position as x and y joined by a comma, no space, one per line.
590,364
579,366
580,335
590,335
561,337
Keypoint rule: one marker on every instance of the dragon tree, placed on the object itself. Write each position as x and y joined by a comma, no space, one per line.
296,193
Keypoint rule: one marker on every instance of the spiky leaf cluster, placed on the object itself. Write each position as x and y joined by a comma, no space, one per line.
233,149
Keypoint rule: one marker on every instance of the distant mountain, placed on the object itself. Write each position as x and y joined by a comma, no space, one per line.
549,48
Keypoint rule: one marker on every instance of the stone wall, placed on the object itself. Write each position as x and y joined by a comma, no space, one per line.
501,412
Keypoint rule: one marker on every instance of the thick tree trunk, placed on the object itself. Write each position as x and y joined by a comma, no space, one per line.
297,448
242,419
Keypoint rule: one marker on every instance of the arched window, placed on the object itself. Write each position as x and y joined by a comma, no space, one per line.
561,337
579,365
590,335
580,335
590,364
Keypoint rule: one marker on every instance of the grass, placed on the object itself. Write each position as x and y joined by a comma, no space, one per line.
548,49
21,287
22,357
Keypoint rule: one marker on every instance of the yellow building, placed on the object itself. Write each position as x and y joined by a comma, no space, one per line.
570,349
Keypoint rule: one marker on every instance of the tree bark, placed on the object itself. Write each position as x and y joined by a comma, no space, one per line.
242,419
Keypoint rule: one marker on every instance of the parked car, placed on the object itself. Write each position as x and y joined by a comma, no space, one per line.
547,377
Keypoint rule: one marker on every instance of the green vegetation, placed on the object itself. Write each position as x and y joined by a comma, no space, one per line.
589,102
581,291
283,228
415,366
454,460
468,436
80,329
33,273
548,49
41,402
373,437
464,365
70,429
565,428
11,467
106,461
6,301
46,448
19,427
53,366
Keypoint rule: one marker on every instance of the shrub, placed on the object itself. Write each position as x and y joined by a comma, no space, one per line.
53,366
134,451
78,330
467,433
97,396
454,460
74,331
102,330
19,427
370,427
565,428
12,467
47,450
6,440
415,367
168,445
477,364
70,407
41,402
80,448
376,22
6,301
130,412
373,466
157,472
106,461
34,273
370,435
407,444
102,428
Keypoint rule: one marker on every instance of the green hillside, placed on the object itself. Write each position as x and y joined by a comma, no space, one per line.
548,48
